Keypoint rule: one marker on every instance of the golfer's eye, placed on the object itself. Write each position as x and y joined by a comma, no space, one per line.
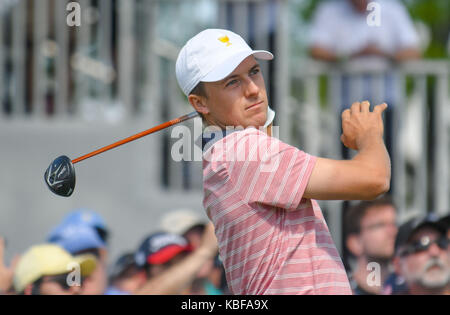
254,71
232,82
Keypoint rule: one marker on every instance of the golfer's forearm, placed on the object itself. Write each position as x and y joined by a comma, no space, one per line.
178,277
374,156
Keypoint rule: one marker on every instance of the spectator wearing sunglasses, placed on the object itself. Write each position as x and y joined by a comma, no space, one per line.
84,232
422,258
48,269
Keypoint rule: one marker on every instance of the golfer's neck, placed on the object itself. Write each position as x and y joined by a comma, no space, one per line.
267,130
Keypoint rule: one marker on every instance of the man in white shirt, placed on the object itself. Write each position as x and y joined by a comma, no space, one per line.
345,29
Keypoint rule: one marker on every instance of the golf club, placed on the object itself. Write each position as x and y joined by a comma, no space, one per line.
60,175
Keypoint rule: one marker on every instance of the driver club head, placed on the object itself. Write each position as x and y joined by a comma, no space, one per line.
60,176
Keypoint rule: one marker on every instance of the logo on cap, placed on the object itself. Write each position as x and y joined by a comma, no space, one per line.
225,40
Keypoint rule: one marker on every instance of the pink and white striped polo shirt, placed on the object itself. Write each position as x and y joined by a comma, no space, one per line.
271,240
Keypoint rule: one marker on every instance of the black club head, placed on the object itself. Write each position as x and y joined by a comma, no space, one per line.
60,176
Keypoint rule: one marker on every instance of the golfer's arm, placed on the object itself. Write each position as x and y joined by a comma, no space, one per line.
365,177
178,277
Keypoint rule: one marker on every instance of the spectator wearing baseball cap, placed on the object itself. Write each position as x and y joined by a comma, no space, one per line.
164,263
76,238
81,232
88,217
125,277
161,250
169,262
155,255
185,222
48,269
422,259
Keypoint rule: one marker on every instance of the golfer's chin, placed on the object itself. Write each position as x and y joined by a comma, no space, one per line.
257,120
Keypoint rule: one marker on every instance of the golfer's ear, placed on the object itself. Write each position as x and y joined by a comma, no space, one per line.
199,103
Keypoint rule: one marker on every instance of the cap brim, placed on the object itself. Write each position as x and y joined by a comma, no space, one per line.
167,253
87,263
405,236
438,226
227,67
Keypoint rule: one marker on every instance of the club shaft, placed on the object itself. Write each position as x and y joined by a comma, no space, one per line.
137,136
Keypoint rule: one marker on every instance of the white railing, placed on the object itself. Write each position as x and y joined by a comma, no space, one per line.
109,67
119,64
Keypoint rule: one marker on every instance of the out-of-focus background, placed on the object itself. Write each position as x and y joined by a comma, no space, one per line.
72,89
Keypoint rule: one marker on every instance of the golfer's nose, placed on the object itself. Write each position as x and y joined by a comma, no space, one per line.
251,88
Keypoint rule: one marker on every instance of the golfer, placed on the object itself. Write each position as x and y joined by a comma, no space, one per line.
272,235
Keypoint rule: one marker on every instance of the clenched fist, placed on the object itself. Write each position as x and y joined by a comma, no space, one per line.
359,124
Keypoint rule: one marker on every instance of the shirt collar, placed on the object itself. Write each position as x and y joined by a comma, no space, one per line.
211,137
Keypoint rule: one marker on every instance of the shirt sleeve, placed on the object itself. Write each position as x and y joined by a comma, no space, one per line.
268,171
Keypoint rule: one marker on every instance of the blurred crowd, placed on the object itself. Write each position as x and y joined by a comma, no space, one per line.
391,259
182,258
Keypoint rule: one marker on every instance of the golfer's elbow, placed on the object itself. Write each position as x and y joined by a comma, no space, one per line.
377,186
381,187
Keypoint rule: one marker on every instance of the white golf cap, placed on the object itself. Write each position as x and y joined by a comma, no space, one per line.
211,56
